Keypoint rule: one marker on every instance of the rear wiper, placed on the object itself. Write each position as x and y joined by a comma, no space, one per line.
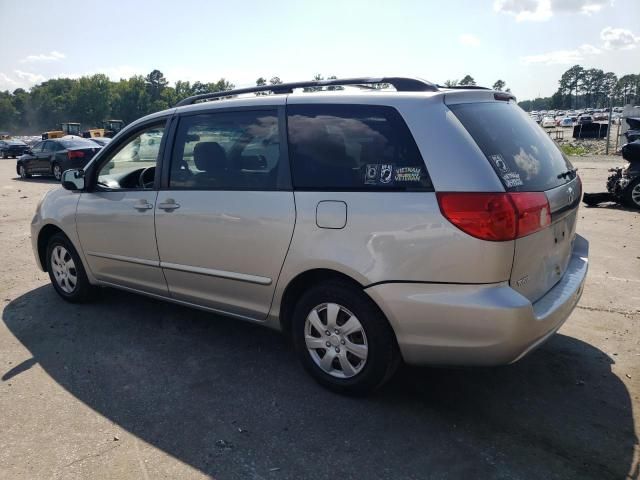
569,173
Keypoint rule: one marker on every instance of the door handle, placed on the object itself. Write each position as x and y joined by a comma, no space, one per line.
143,205
169,205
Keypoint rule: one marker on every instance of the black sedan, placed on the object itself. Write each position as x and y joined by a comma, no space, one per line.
12,148
52,157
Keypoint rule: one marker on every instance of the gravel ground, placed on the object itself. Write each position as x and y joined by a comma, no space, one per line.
129,387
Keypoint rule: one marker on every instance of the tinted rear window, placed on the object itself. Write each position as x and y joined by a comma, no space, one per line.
521,153
78,144
353,147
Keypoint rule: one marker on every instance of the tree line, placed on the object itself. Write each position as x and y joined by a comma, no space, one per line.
92,99
581,87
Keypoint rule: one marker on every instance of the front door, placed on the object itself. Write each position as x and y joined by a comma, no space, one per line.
115,221
31,163
225,221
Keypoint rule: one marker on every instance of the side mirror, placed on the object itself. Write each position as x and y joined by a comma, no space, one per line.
73,179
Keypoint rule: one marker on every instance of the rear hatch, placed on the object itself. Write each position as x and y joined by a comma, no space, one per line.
527,160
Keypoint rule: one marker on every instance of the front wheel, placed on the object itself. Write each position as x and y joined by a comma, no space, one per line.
66,271
343,340
57,171
22,171
631,194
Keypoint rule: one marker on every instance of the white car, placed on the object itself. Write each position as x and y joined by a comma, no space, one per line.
548,122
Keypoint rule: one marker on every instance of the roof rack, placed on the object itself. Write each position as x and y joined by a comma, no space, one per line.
464,87
401,84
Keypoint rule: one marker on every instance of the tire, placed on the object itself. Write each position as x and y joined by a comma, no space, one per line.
22,171
56,169
64,265
631,194
372,338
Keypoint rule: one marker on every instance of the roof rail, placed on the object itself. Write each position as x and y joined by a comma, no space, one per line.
401,84
465,87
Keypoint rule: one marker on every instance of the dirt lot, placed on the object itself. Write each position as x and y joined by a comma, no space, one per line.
129,387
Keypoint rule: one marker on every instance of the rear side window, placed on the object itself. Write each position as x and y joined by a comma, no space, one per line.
521,153
353,147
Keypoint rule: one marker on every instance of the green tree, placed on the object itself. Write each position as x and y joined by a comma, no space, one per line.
451,83
499,85
91,99
571,82
131,99
156,83
467,80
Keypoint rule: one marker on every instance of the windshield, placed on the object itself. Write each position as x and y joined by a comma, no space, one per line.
521,153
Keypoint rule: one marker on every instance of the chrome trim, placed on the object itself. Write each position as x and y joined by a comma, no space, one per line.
122,258
180,302
242,277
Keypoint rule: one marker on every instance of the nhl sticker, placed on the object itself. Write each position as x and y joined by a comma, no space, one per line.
499,162
371,174
408,174
386,173
512,179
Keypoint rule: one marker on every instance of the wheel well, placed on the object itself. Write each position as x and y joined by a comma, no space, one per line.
300,284
43,239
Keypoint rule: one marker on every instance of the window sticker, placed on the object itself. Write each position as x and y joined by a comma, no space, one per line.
386,173
512,179
408,174
371,175
499,162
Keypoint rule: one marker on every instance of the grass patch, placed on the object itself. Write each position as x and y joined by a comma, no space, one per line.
573,150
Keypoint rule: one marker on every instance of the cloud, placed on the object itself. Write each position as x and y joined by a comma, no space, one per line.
525,10
52,56
562,57
29,77
541,10
469,40
618,39
586,7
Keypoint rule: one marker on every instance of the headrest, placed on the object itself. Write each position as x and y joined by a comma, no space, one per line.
209,156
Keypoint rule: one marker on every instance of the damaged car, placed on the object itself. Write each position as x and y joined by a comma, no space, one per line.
623,185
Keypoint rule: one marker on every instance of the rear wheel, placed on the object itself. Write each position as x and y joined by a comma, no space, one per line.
631,194
66,271
57,171
343,340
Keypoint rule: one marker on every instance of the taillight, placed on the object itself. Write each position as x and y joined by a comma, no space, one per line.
496,216
71,154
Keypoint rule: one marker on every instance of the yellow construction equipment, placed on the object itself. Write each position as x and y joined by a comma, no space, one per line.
66,128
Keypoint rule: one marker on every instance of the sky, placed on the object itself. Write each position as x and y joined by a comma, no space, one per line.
526,43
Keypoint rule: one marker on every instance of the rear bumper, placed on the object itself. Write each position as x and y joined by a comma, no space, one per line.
478,324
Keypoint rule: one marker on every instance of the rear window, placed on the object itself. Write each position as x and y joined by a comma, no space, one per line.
78,144
353,147
521,153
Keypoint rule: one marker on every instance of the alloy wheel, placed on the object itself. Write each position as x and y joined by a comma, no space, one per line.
64,269
635,195
57,172
336,340
23,172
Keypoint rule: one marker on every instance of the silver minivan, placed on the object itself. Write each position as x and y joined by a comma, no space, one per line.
410,223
